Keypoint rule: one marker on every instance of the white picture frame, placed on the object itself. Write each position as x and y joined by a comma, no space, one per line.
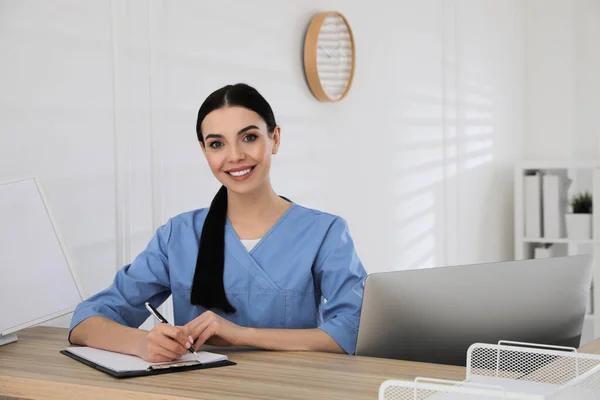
8,333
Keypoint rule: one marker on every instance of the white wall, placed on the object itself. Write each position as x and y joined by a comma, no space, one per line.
99,99
562,91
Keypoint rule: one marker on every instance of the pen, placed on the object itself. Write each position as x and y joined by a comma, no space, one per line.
162,319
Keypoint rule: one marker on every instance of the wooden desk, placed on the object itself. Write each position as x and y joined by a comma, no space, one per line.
32,368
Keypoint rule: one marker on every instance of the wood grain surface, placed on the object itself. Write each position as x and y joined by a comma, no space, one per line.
33,368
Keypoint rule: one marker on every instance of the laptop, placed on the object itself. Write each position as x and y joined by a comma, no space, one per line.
433,315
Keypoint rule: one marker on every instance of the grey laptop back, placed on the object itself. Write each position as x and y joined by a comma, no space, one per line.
435,314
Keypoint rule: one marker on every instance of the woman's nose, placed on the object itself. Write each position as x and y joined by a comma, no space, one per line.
235,154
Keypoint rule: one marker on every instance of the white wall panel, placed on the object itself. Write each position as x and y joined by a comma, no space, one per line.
56,121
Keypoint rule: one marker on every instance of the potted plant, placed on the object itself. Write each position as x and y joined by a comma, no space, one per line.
579,222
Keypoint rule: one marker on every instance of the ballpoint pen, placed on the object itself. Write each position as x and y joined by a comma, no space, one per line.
163,320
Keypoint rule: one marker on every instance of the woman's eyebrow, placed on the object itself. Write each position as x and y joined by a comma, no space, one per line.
247,129
219,136
213,135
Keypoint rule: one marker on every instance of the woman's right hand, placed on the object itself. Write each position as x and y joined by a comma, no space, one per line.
165,343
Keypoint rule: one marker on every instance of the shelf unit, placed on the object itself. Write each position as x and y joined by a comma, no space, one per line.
558,240
585,175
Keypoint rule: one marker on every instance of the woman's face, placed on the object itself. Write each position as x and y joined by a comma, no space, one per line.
238,148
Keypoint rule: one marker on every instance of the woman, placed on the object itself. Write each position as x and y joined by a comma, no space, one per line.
254,269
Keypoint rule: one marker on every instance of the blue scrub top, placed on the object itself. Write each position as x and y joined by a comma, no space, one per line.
304,273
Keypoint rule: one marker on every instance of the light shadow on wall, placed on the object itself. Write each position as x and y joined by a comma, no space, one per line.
432,161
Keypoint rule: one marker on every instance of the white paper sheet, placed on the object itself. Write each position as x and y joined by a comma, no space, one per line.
125,363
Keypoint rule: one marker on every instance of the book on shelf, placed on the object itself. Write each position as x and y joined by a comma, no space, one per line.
533,205
554,204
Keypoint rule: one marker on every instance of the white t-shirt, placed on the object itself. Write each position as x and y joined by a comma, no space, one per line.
249,244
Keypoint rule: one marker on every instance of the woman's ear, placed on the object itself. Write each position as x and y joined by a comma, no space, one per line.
276,139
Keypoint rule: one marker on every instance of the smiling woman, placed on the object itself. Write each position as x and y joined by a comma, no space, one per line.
253,269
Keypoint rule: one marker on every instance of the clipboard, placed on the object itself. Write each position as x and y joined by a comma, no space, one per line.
126,366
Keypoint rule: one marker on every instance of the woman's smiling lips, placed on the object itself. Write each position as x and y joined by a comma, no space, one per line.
240,174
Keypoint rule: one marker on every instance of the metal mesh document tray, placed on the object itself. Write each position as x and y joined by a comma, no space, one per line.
510,370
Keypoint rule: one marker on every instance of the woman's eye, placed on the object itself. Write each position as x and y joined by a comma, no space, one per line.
215,145
250,138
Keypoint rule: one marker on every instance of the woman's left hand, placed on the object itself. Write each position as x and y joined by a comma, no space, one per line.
212,329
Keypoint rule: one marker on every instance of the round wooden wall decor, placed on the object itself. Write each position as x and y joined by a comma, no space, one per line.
329,56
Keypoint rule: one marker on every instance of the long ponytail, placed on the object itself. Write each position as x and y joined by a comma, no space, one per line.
208,289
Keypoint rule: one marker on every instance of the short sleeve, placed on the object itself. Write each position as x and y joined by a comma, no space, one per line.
340,275
145,279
